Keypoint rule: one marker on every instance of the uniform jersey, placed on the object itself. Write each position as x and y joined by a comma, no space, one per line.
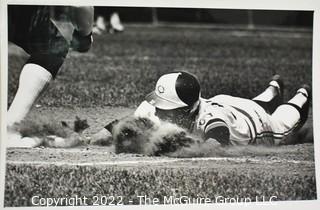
232,120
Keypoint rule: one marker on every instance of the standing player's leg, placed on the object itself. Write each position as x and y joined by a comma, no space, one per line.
47,49
291,116
272,96
33,80
45,40
35,76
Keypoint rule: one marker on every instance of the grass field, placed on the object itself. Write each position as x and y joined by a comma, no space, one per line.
114,77
120,70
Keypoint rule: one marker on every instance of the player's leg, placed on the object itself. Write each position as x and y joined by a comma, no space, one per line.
34,79
47,49
272,96
291,116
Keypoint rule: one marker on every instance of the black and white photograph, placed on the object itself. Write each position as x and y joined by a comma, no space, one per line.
140,105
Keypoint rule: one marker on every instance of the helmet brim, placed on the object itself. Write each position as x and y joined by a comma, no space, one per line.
161,103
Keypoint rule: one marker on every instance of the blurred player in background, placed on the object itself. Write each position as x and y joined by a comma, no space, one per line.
46,33
230,120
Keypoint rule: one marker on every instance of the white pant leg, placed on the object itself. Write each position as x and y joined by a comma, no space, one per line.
284,120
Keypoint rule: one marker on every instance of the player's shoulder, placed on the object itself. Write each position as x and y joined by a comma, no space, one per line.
221,98
210,112
211,104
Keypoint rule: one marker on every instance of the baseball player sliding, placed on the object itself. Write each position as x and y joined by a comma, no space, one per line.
229,120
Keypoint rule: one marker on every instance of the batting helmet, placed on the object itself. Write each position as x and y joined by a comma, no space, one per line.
175,90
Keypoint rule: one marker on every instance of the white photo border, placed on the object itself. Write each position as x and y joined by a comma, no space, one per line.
307,5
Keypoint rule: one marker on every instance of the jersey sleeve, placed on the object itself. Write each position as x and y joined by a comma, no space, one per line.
217,129
213,124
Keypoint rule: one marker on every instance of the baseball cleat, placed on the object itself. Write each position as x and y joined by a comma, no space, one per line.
277,82
15,140
305,90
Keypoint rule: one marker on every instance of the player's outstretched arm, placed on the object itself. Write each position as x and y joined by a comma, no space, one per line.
102,137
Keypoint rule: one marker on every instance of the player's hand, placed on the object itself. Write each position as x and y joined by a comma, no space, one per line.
81,43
